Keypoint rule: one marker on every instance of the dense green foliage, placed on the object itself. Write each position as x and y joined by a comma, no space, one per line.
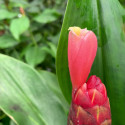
29,32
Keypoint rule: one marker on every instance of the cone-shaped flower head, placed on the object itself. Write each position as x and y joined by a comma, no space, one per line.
82,47
90,104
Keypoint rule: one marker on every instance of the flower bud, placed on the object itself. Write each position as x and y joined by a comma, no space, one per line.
82,47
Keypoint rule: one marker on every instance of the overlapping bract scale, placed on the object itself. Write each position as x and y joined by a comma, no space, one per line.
90,104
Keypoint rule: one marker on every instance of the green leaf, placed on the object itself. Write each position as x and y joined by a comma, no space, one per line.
20,3
19,26
52,82
34,6
7,41
35,55
105,18
25,97
47,16
4,14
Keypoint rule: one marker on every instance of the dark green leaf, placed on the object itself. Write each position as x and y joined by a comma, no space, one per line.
34,6
4,14
7,41
122,2
105,18
19,3
18,26
25,97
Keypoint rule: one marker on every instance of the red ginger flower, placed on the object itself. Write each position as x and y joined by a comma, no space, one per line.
90,104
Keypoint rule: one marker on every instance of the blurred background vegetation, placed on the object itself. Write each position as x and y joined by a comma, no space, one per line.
29,32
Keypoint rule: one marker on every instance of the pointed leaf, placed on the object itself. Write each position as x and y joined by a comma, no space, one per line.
4,14
25,97
18,26
106,19
7,41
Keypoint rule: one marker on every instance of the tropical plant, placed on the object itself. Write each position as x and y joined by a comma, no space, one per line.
29,32
107,20
90,104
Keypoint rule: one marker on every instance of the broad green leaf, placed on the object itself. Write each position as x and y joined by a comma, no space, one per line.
35,55
106,19
25,97
52,82
47,16
19,26
7,41
4,14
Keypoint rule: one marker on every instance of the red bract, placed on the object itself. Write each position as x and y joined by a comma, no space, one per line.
90,104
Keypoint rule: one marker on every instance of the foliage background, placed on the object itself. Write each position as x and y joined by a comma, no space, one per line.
29,32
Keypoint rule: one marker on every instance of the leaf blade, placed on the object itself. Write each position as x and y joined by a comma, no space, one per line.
29,101
18,26
106,19
4,14
7,41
